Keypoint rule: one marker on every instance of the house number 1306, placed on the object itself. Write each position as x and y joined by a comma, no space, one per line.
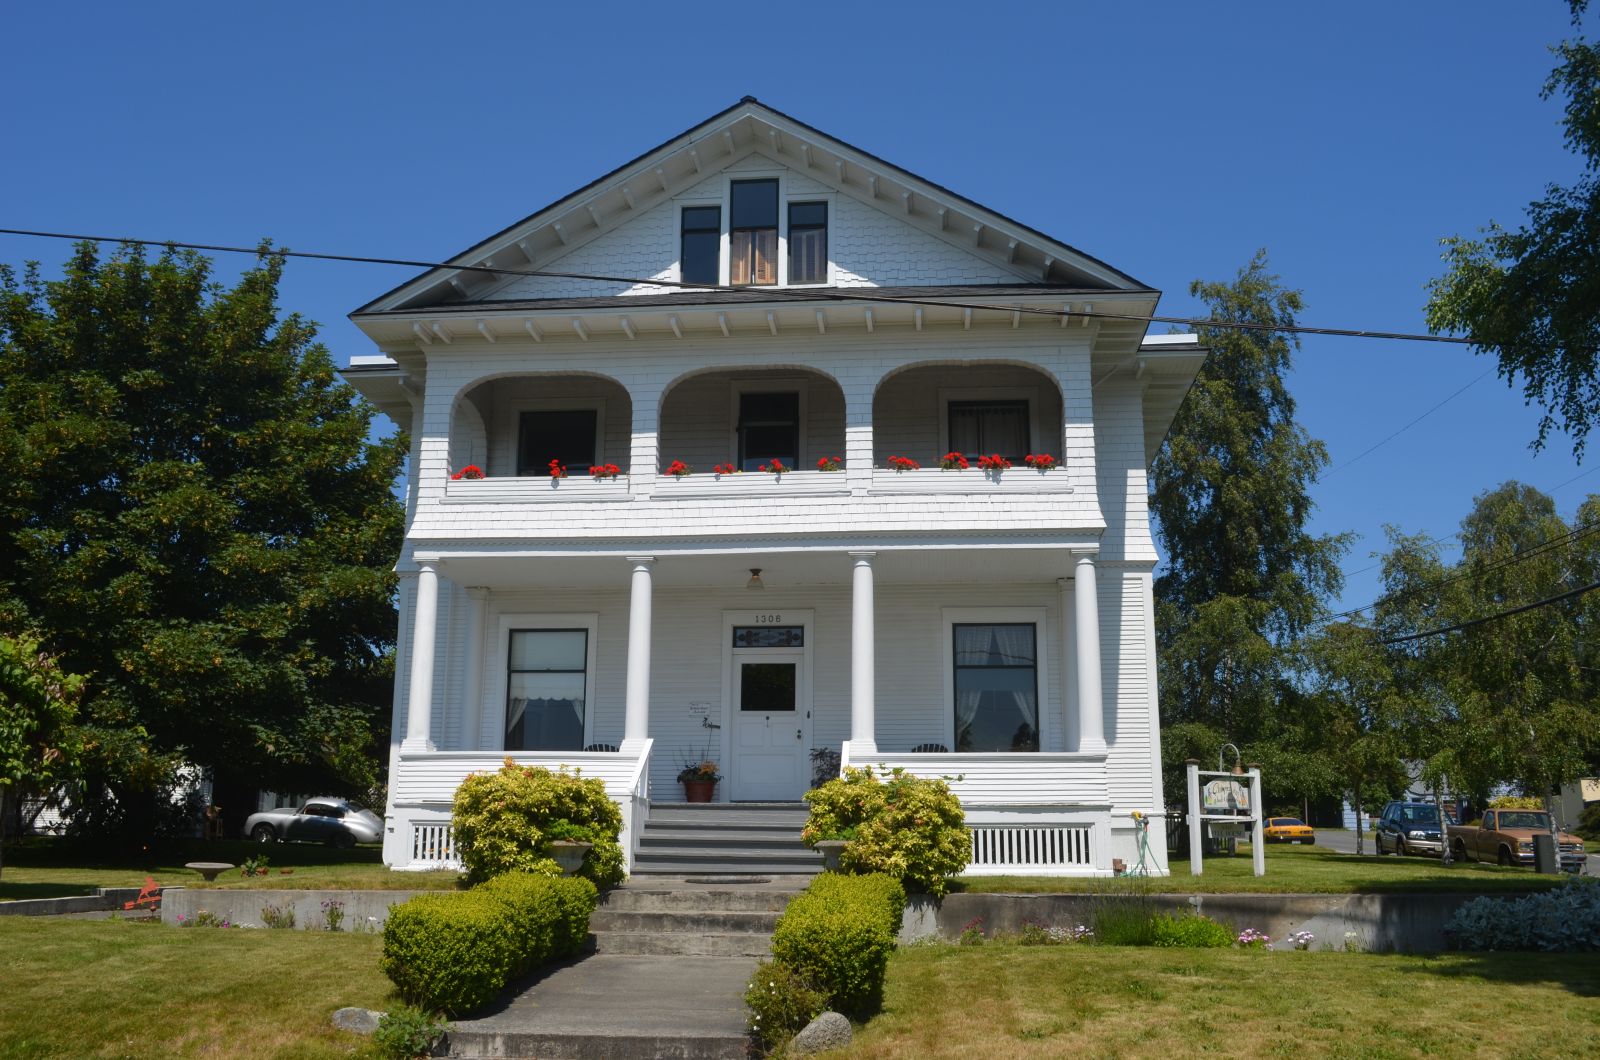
768,620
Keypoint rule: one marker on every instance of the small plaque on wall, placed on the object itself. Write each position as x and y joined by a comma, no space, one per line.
700,709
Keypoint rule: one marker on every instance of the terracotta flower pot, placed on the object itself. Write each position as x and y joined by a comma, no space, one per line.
699,790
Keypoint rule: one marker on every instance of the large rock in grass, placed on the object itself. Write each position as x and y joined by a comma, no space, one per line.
360,1020
828,1031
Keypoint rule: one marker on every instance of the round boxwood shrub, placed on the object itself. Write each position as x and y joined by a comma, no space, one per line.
505,822
909,827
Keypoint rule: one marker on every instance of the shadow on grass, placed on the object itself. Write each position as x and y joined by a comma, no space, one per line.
58,853
1577,973
13,892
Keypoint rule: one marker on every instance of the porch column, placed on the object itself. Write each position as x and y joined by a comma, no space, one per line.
472,683
1091,706
863,659
1069,665
636,710
419,703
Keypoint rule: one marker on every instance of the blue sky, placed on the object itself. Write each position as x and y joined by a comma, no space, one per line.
1170,139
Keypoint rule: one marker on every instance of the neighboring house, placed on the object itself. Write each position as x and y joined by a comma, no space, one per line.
994,629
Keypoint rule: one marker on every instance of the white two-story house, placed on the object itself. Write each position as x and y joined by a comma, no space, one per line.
755,292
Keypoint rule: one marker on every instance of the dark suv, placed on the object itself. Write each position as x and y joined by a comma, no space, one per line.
1409,828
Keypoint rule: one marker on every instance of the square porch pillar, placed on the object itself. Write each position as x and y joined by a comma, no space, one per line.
863,659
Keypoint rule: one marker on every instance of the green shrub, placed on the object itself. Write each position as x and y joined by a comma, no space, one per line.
450,953
908,827
405,1033
1191,932
505,822
278,916
781,1003
1124,924
454,953
550,916
839,935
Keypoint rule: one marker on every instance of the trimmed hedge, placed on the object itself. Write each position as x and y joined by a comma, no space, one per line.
839,934
453,953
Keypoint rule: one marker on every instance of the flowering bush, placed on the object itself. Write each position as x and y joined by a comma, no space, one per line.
1036,934
678,469
781,1003
505,822
1250,937
829,463
604,471
953,462
724,469
1302,940
1040,461
557,469
904,463
471,471
908,827
993,462
1563,920
776,466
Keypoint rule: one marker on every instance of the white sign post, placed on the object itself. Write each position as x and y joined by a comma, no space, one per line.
1225,799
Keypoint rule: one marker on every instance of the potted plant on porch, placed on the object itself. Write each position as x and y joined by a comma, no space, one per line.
699,780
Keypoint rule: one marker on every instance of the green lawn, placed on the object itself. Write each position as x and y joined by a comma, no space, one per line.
81,988
54,869
1298,870
1002,1000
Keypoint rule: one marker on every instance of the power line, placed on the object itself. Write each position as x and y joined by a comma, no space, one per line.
1569,594
1407,427
802,295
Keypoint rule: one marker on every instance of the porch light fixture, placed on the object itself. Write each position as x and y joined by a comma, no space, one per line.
755,579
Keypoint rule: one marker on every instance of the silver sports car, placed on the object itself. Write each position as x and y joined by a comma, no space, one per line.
321,820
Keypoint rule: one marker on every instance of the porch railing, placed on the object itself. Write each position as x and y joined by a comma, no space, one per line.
426,783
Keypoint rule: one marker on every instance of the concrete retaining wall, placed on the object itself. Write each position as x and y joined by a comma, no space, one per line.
1405,923
363,910
102,899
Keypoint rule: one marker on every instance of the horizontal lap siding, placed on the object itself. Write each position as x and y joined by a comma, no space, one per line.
434,779
1023,779
1127,685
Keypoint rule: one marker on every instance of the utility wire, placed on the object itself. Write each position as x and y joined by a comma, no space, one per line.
1378,445
1569,594
780,293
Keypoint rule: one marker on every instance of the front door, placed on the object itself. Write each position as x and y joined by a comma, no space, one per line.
771,715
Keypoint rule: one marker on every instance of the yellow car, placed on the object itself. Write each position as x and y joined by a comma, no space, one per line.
1289,830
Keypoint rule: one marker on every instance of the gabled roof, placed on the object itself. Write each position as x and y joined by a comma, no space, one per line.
750,126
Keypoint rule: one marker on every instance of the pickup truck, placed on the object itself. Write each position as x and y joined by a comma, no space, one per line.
1506,837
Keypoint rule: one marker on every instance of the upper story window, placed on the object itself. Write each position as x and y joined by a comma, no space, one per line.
753,232
990,427
570,436
702,242
769,427
808,242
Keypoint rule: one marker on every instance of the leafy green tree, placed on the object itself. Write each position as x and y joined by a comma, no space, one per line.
1231,493
195,515
1512,700
38,703
1532,296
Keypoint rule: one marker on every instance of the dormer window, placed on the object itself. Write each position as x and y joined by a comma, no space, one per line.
753,232
702,239
808,242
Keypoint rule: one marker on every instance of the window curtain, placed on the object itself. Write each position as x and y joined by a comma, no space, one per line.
989,427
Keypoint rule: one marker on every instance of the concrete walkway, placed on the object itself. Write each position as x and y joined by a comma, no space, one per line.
618,1006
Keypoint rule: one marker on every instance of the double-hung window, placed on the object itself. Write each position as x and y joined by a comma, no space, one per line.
769,428
985,427
808,242
996,686
701,248
753,232
569,436
547,691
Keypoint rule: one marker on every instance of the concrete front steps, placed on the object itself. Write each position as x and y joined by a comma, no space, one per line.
738,838
675,918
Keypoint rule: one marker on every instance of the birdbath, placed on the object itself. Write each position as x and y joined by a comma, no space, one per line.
209,869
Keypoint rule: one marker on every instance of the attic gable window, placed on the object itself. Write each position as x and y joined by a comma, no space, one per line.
808,242
702,238
753,232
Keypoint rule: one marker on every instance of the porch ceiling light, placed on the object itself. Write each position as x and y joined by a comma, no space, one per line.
755,579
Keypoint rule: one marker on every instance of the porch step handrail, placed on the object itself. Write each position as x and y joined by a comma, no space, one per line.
639,800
